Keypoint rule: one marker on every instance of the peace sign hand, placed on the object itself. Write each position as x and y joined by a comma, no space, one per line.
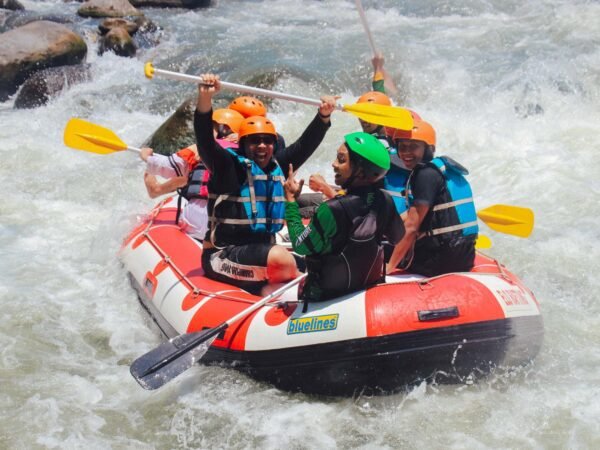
291,186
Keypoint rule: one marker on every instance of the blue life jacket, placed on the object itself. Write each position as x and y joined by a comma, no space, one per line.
257,209
394,184
456,216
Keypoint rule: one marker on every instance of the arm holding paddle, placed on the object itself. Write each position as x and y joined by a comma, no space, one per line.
382,81
174,168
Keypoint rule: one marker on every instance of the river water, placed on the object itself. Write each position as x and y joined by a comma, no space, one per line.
513,89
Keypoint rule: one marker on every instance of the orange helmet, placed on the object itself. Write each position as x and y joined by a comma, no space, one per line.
248,106
422,131
229,117
375,97
256,125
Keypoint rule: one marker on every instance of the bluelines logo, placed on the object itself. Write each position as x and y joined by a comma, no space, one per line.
312,324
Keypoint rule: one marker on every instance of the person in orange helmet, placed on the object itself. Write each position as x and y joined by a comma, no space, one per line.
186,174
248,106
251,106
377,96
441,221
246,205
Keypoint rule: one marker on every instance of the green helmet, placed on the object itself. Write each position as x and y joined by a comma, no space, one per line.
373,156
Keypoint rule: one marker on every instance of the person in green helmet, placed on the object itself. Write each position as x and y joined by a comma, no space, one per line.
343,241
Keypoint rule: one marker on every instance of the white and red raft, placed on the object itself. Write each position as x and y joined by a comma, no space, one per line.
409,329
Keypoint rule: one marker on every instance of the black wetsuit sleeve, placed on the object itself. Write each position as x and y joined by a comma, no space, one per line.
221,164
393,230
426,185
298,152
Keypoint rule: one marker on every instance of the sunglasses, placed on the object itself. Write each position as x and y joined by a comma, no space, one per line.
257,139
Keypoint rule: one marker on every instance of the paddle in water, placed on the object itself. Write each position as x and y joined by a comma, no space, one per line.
160,365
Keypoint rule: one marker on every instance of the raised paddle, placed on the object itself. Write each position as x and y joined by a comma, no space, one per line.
363,19
508,219
165,362
87,136
390,116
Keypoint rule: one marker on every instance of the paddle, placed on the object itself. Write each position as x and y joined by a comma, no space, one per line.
89,137
507,219
483,242
390,116
363,19
160,365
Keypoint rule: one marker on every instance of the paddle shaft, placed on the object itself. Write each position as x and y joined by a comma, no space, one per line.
240,88
363,19
207,334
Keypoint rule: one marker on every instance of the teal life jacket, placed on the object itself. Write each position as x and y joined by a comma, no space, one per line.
456,215
256,212
394,184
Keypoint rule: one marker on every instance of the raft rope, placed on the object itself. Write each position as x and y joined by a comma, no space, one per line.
196,291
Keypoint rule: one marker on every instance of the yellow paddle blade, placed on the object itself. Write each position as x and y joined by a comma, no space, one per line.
483,242
89,137
508,219
389,116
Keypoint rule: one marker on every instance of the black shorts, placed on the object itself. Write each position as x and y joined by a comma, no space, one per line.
244,266
455,256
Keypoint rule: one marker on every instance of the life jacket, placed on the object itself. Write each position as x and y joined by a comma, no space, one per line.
394,183
198,176
360,262
255,212
456,215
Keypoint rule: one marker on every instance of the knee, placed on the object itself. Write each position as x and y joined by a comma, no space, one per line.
279,257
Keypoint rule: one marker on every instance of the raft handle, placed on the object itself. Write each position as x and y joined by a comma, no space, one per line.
438,314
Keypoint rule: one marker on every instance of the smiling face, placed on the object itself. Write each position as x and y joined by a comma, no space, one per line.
259,148
411,152
342,167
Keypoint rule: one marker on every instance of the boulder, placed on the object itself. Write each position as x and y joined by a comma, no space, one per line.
177,132
190,4
13,5
19,18
47,83
118,41
33,47
117,22
148,33
107,8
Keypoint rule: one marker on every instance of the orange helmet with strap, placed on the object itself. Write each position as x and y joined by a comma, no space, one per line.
248,106
421,131
256,125
229,117
376,97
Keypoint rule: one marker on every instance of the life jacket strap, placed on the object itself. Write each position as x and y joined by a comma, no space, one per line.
443,230
452,204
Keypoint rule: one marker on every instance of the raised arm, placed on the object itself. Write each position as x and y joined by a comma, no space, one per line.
298,152
215,158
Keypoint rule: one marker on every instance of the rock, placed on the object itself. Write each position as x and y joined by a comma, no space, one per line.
33,47
190,4
148,34
177,132
20,18
107,8
13,5
108,24
119,41
47,83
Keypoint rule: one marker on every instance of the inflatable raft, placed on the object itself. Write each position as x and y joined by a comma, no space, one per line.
444,329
